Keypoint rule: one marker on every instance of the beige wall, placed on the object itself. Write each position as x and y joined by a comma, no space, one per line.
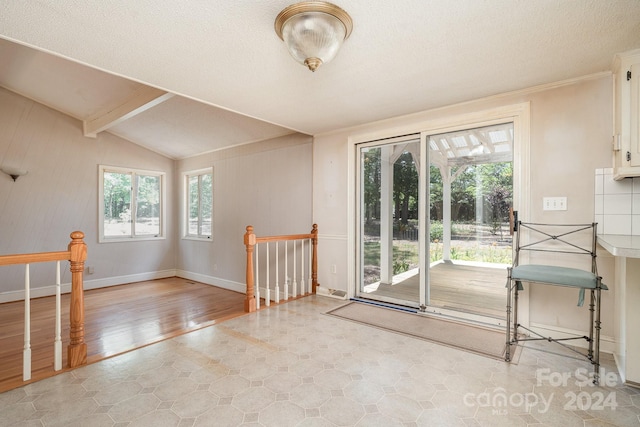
60,195
570,136
266,185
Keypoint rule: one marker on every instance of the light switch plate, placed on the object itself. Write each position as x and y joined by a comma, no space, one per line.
554,203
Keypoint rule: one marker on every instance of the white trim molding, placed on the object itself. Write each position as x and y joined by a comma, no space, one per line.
213,281
47,291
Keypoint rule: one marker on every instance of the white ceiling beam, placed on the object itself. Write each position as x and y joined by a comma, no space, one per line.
141,100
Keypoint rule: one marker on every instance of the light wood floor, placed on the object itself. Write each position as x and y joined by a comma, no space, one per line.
472,289
117,319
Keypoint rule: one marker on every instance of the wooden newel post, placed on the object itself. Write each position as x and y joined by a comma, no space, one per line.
314,258
250,242
77,350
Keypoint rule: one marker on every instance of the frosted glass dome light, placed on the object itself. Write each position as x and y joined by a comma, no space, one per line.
313,31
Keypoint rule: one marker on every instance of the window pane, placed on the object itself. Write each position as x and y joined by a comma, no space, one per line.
206,205
199,204
193,207
117,204
148,206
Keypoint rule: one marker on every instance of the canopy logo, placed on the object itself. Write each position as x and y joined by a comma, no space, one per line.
500,401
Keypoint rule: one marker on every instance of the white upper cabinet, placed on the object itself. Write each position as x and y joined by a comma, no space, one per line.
626,139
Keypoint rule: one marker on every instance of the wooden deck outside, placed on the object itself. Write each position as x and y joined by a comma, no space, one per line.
468,288
118,319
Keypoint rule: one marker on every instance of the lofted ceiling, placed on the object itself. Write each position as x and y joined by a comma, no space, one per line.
184,78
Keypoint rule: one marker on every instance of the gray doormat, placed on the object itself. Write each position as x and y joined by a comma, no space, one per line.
475,339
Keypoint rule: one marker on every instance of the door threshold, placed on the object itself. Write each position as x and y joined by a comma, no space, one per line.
385,304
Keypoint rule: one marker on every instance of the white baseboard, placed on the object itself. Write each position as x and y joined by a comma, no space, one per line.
214,281
620,363
130,278
46,291
263,292
607,343
333,293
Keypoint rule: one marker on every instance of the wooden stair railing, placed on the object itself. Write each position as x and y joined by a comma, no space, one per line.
252,300
76,254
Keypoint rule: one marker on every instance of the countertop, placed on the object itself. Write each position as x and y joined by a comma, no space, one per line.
620,245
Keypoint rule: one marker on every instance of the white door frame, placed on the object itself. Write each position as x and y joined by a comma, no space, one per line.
519,114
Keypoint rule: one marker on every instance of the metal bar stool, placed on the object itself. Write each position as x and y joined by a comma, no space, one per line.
574,239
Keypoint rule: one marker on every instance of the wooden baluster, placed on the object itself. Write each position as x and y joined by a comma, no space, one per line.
277,290
310,282
314,258
286,272
249,242
267,299
257,292
77,350
295,262
57,343
303,290
26,352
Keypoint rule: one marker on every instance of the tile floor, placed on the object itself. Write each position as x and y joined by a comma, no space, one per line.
291,365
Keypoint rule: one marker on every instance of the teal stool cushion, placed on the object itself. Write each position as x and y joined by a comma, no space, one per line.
560,276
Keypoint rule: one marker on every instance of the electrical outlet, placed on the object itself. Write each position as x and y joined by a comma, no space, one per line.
554,203
334,269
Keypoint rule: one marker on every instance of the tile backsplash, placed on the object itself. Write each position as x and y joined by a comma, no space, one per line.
617,204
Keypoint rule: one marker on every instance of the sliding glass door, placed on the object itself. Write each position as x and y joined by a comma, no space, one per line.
433,220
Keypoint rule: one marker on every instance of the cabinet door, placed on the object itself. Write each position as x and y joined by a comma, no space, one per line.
635,115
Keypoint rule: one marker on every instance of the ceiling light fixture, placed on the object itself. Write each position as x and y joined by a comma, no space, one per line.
13,172
313,31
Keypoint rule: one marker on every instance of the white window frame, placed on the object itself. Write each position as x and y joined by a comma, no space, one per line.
185,204
133,237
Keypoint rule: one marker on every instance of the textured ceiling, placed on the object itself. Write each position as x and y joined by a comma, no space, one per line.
403,56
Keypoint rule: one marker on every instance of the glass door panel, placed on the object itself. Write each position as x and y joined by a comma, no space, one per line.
470,195
388,222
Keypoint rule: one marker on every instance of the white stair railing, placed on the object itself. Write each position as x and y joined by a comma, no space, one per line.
268,278
76,255
57,343
26,351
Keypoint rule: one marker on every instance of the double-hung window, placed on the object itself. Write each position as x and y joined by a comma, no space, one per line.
131,204
198,204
